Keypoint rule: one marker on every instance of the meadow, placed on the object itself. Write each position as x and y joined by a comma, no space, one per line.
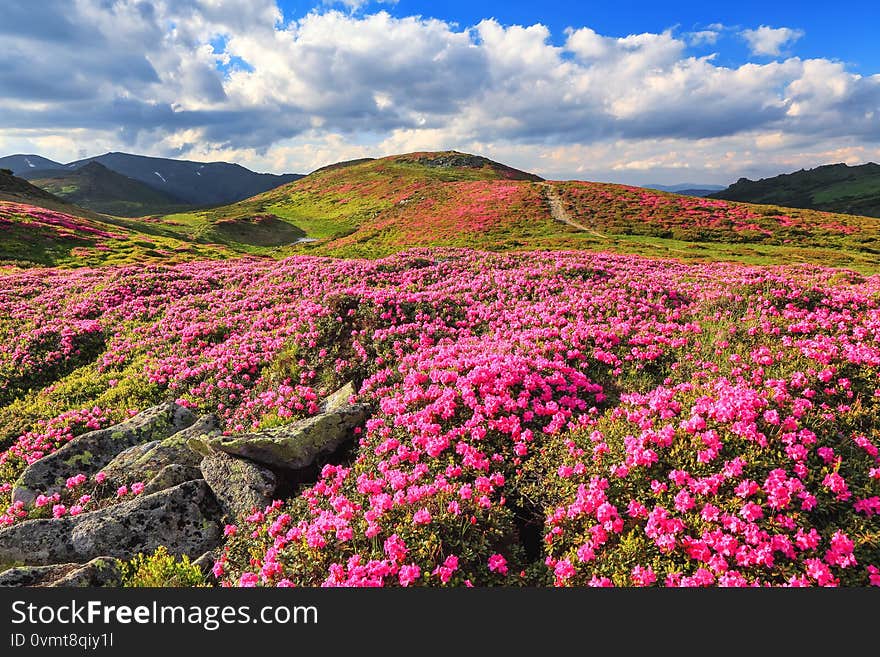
543,418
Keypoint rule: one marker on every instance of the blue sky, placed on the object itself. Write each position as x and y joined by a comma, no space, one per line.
632,92
845,31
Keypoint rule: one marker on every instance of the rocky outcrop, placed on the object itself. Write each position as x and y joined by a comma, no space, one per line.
196,479
91,451
144,462
239,485
185,519
297,445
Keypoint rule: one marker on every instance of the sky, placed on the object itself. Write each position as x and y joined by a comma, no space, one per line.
630,91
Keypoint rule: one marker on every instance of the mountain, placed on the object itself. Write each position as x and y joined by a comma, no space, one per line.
195,183
833,187
178,183
21,164
687,189
374,207
96,187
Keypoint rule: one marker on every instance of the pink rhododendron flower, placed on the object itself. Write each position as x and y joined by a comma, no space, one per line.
498,564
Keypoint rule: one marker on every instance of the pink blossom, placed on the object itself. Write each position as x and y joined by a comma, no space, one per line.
498,564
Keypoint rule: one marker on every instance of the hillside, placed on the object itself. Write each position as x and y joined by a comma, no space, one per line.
97,188
439,416
372,208
39,228
19,190
375,207
195,183
834,188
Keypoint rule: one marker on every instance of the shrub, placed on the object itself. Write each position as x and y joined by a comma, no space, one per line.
161,569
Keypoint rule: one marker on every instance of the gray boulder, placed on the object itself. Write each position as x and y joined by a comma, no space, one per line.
185,519
298,445
238,484
91,451
170,476
36,575
101,571
144,462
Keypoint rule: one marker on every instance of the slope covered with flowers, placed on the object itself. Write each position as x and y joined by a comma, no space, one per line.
545,418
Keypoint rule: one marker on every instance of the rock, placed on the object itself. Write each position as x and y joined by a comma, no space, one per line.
91,451
170,476
35,575
185,519
101,571
297,445
238,484
205,563
338,399
144,462
122,464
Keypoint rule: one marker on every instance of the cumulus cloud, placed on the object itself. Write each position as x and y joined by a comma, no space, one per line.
231,79
709,37
769,40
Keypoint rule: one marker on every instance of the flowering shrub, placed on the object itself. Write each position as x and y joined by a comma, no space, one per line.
729,484
552,417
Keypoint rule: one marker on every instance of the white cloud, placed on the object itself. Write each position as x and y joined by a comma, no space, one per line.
330,85
701,37
769,41
357,5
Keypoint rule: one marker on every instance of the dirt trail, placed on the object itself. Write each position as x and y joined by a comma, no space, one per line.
557,209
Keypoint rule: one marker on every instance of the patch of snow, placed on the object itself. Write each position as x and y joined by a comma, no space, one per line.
29,163
160,176
306,239
198,174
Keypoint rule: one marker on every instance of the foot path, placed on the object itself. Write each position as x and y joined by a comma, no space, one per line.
559,213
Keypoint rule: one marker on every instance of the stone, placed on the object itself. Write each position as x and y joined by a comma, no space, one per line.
101,571
338,399
144,462
238,484
298,445
91,451
186,519
35,575
170,476
205,563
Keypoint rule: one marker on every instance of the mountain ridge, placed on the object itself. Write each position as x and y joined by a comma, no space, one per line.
103,190
195,184
831,187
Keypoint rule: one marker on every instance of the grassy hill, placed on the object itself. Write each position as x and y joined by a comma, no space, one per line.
39,228
375,207
96,187
834,188
372,208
